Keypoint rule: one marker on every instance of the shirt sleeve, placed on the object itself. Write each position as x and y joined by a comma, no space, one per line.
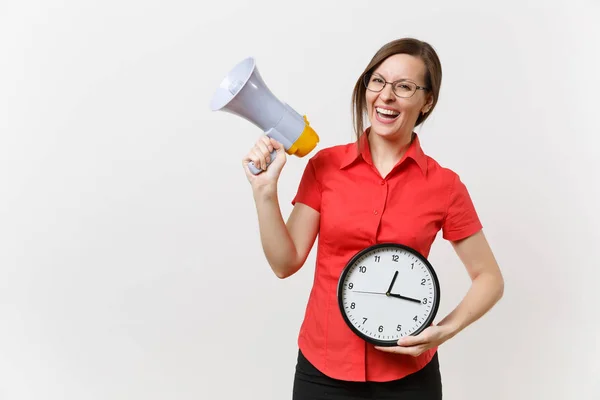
309,189
461,218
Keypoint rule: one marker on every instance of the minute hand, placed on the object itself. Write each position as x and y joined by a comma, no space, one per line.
404,297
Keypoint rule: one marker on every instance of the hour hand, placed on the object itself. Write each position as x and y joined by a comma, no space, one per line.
392,284
404,297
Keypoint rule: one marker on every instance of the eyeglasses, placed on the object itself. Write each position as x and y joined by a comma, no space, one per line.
401,88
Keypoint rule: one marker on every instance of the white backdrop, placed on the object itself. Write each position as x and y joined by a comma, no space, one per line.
130,263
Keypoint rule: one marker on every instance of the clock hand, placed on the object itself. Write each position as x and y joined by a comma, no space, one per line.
389,294
392,284
404,297
359,291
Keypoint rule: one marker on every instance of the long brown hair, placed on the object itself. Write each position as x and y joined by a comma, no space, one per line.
410,46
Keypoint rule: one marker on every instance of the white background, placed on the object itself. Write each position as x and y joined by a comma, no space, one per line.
130,263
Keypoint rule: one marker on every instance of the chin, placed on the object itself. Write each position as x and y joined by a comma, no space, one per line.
387,130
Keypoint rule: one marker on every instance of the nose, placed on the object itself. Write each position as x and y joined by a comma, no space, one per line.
387,94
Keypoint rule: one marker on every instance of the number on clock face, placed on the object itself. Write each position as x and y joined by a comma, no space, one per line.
387,292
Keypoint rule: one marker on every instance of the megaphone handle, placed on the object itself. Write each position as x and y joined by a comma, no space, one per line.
256,171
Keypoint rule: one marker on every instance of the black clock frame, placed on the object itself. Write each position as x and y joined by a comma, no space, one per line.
346,270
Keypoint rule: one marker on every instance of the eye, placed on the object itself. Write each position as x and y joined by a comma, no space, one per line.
405,87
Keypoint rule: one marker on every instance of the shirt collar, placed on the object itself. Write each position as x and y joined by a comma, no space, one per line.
414,152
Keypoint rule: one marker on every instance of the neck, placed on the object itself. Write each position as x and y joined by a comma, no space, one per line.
387,152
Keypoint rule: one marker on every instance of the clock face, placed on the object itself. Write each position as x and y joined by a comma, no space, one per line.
388,291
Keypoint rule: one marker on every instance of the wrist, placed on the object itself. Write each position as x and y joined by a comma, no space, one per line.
449,329
266,191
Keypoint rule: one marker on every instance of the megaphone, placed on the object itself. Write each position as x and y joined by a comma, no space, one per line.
243,93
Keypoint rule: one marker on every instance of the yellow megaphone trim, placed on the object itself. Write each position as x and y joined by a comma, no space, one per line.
306,142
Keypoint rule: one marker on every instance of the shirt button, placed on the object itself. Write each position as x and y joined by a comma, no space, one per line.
375,212
382,183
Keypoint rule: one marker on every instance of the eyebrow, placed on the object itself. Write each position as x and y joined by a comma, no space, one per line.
397,80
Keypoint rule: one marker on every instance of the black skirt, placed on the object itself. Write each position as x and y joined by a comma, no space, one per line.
311,384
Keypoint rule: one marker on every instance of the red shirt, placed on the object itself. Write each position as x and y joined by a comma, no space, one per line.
358,208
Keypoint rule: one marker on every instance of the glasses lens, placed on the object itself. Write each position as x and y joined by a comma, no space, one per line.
374,83
405,89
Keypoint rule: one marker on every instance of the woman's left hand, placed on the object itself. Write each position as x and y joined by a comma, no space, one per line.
431,337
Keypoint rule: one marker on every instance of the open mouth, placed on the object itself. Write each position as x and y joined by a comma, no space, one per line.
386,115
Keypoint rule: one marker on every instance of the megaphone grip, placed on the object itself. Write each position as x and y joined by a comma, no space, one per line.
256,171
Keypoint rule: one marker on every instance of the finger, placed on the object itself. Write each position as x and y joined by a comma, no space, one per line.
276,145
417,350
396,350
262,161
421,338
247,171
245,161
264,149
393,349
409,341
385,349
267,141
410,351
257,158
247,158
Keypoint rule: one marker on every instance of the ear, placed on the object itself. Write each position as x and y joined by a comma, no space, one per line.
428,104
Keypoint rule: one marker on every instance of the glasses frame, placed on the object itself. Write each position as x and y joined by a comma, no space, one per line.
368,76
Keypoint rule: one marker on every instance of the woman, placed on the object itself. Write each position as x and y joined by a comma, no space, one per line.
382,188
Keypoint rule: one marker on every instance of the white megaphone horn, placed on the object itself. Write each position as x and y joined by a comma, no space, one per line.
242,92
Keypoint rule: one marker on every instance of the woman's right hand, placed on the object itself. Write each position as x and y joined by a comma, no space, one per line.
259,154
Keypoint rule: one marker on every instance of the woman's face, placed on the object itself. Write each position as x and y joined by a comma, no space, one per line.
389,114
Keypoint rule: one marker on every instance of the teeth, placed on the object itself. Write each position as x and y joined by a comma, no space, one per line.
386,112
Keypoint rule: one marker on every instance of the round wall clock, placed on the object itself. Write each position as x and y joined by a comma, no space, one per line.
388,291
